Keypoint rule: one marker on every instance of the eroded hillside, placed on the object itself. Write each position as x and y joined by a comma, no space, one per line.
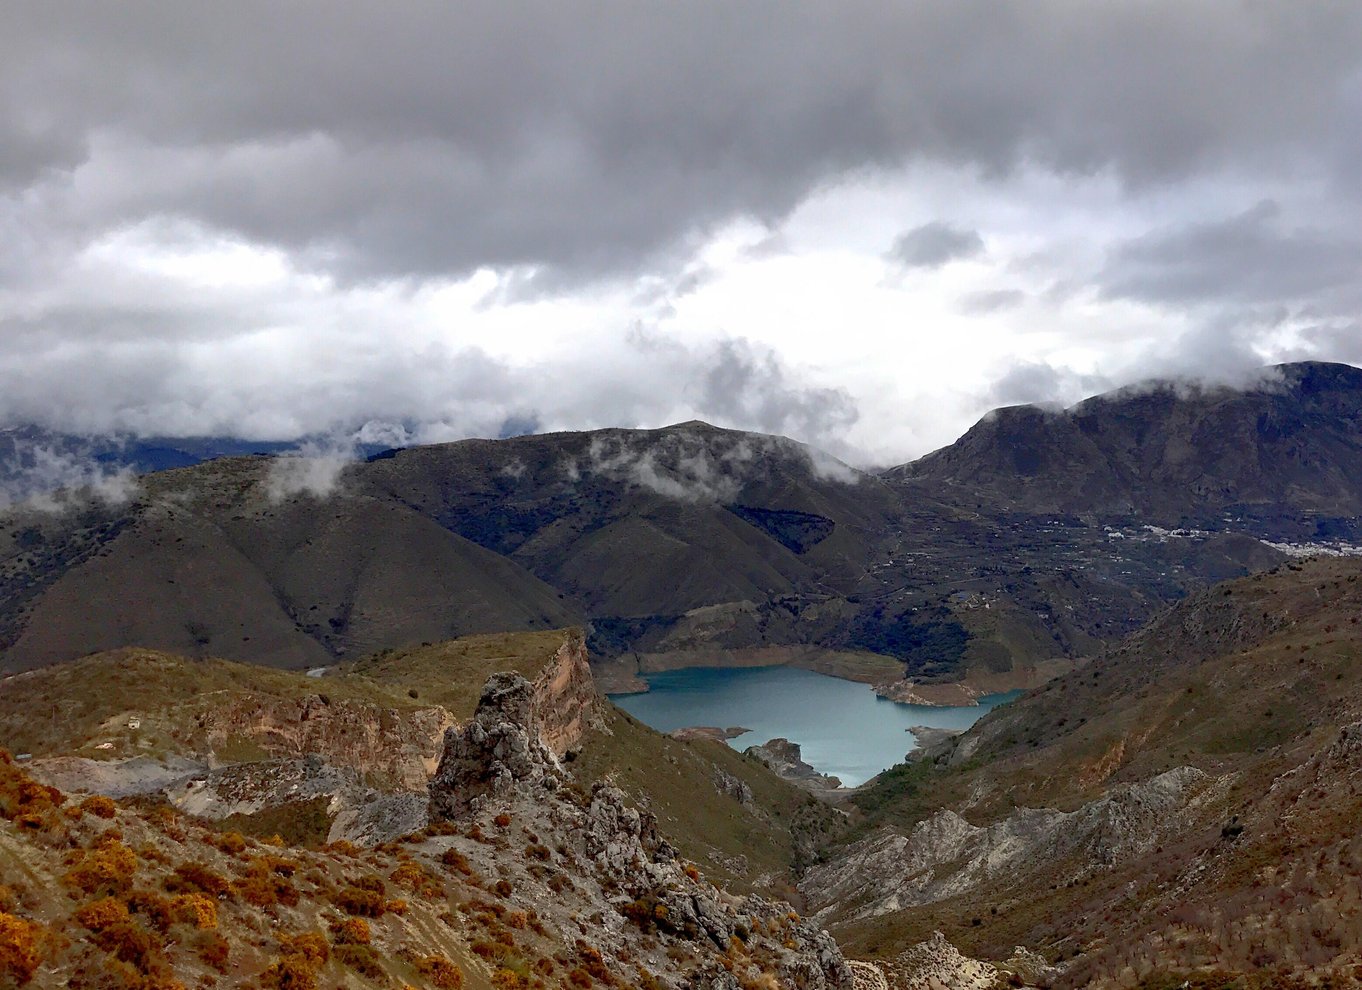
1183,804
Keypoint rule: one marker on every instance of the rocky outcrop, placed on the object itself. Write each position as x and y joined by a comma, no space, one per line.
730,786
593,855
399,748
500,748
564,696
944,855
937,965
357,813
786,759
713,732
933,695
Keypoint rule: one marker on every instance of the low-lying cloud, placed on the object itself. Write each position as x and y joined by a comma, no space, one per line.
315,469
45,477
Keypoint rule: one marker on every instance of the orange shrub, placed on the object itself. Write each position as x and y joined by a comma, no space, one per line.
101,914
100,806
19,957
152,906
22,797
213,949
441,973
262,888
365,903
291,972
456,860
397,907
231,843
350,931
507,979
195,878
409,875
502,820
361,958
309,944
196,910
108,870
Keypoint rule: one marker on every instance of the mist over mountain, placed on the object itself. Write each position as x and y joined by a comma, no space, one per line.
692,544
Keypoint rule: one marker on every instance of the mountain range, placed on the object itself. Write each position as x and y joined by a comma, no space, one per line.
1039,535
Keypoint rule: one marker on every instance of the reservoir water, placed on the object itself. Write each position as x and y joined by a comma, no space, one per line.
843,728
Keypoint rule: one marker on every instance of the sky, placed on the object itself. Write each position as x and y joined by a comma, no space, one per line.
860,224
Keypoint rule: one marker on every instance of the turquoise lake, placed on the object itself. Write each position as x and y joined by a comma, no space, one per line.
843,728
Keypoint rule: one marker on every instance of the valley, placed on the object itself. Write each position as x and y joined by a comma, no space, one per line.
1093,702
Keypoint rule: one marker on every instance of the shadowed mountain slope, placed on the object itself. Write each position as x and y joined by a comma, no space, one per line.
1169,452
1037,537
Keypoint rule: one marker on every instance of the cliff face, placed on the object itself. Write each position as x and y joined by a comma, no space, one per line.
565,698
399,749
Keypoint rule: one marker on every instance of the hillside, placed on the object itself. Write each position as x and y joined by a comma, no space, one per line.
1182,804
692,545
1170,454
516,872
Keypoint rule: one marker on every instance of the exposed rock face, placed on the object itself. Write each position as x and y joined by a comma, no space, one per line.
358,813
945,855
710,732
500,747
934,695
400,748
619,867
565,698
785,759
729,785
937,965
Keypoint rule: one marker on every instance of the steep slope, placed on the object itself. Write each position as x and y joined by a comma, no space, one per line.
692,545
521,879
1184,802
208,563
142,722
1168,453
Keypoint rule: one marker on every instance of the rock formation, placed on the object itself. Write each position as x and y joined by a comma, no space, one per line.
619,867
785,759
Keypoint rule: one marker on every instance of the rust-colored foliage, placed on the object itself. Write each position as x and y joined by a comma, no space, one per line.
19,957
262,887
291,972
108,869
195,878
101,914
195,909
360,902
441,973
99,806
350,931
312,945
408,875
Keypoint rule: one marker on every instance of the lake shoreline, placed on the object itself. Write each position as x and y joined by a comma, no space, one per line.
843,729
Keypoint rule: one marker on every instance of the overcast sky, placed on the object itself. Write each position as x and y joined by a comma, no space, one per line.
858,224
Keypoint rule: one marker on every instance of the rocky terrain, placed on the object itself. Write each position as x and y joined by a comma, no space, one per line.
694,545
1178,807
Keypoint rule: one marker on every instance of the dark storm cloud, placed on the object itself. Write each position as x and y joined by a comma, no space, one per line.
407,139
1253,257
933,245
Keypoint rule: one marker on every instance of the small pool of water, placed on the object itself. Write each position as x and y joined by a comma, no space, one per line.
843,728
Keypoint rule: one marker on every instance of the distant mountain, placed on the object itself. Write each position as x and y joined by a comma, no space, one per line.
1038,537
1167,452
